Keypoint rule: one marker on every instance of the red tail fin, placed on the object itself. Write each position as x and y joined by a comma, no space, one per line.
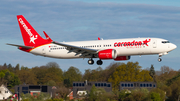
29,34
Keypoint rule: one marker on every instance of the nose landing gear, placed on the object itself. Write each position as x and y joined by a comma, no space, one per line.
159,59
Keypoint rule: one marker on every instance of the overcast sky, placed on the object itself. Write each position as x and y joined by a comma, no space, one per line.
79,20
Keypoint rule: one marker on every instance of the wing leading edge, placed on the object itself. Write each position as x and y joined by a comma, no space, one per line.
85,52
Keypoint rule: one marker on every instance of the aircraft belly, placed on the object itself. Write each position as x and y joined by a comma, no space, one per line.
133,51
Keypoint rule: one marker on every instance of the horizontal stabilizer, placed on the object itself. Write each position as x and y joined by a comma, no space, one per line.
27,47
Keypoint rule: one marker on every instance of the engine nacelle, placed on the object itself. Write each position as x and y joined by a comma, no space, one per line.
107,54
120,58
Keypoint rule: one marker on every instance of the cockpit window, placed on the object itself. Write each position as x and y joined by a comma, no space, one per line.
165,42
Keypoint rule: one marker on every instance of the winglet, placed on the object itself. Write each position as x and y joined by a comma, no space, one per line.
99,38
47,37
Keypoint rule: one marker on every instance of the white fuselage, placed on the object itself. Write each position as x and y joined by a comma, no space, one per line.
124,47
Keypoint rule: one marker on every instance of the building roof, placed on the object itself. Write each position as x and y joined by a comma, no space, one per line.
4,92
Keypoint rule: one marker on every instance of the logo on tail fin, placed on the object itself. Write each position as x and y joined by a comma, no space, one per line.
32,38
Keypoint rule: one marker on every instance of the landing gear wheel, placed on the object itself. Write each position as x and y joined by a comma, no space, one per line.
159,59
90,61
99,62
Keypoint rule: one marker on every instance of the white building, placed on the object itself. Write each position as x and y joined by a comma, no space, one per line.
4,92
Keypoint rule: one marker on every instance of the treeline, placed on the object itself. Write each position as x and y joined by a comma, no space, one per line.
168,80
52,74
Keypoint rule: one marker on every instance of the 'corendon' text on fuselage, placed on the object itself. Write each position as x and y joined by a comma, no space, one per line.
133,43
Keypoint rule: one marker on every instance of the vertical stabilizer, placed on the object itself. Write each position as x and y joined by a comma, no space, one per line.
29,34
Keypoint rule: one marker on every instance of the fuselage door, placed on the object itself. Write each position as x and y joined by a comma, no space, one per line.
43,50
155,44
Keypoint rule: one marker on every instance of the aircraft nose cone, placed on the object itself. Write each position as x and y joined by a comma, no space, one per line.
174,46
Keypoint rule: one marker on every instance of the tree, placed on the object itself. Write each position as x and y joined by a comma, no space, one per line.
166,74
47,74
123,94
99,74
67,83
128,72
9,78
166,69
10,68
160,92
14,81
155,96
72,74
54,73
92,94
51,83
138,95
5,65
24,68
62,92
175,90
52,65
27,76
17,68
40,73
2,74
152,73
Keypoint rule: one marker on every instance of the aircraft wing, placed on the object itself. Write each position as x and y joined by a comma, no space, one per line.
85,52
27,47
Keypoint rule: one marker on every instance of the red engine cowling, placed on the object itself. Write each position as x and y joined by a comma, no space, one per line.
107,54
120,58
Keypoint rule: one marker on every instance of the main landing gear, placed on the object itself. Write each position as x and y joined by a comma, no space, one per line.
91,62
99,62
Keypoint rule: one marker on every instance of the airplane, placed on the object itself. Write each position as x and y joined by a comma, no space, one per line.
117,49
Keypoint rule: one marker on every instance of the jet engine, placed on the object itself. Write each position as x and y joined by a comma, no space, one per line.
107,54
